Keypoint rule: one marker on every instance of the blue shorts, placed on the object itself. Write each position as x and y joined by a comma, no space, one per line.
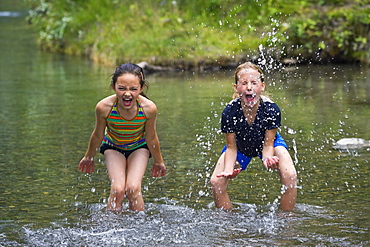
244,159
126,153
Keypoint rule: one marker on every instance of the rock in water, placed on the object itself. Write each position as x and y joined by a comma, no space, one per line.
351,143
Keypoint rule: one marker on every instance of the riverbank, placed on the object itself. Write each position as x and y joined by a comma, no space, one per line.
204,34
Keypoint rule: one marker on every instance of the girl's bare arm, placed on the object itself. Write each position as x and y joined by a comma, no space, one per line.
270,161
152,140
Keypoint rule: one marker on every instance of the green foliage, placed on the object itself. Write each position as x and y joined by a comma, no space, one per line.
188,33
339,33
52,20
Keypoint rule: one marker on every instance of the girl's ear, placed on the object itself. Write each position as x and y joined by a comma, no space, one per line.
142,88
235,95
263,86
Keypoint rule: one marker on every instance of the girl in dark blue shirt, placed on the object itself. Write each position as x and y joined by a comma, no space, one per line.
250,124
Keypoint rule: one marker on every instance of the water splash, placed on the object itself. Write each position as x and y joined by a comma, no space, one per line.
166,224
169,223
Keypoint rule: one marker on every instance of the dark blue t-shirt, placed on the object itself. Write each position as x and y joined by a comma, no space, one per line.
249,138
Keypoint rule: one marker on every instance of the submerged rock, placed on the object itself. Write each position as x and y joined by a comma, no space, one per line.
351,143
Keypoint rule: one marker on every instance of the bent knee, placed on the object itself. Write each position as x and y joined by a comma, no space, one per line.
218,183
118,189
133,189
287,171
289,178
214,181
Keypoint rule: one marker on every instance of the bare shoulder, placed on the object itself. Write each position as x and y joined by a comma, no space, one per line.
104,106
149,106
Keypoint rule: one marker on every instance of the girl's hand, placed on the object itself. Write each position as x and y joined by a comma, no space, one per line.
230,175
159,169
271,162
86,165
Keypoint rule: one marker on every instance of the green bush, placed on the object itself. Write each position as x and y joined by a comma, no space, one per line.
325,33
189,33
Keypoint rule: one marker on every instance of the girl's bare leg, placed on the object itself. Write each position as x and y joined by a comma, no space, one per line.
219,186
288,177
137,162
116,165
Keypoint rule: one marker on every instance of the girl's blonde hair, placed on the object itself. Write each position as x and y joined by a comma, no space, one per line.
243,66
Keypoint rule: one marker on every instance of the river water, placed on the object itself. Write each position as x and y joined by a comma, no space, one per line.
47,114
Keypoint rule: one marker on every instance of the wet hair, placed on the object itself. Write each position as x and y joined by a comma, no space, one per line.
130,68
247,65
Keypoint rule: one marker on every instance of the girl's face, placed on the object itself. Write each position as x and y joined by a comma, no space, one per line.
127,89
249,86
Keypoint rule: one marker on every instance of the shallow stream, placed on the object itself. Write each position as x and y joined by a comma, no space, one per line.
47,114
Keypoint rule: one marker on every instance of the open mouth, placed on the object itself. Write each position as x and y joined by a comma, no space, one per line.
127,102
250,97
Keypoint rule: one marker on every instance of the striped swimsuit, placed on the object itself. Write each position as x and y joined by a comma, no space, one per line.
125,134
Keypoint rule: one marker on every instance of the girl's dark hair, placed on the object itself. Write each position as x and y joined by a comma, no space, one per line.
130,68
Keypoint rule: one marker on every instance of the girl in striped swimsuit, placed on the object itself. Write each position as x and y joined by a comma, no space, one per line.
125,131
